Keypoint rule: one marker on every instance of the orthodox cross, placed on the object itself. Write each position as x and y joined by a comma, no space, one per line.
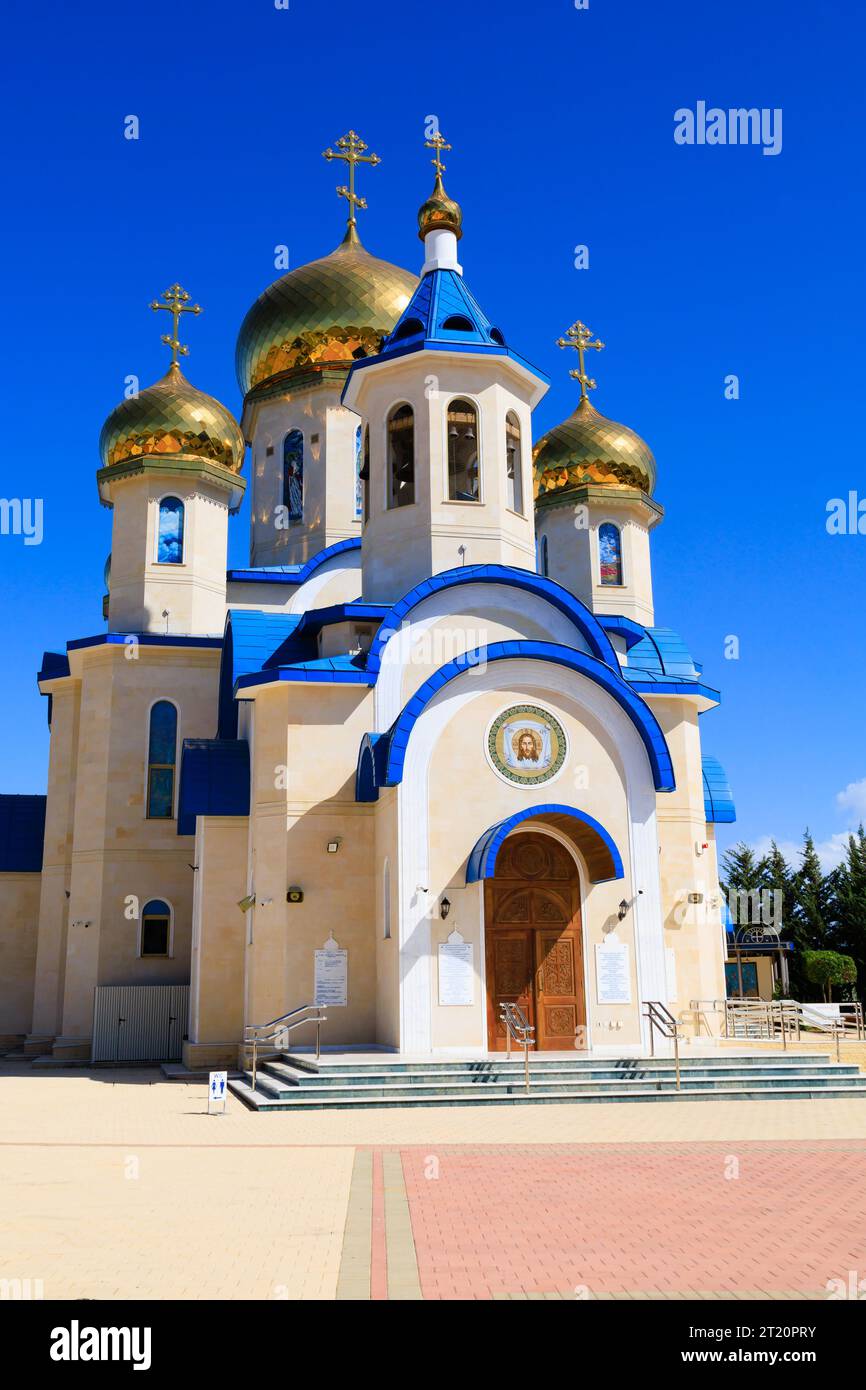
579,337
438,143
176,304
350,149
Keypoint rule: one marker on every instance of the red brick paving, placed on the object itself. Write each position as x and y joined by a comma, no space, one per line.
626,1218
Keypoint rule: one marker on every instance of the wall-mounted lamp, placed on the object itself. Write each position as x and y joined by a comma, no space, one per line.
444,908
295,895
246,903
623,909
334,845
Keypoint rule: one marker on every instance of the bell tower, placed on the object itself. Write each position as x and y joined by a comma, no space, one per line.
446,407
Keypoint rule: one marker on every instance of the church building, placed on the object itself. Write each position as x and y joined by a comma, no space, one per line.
428,753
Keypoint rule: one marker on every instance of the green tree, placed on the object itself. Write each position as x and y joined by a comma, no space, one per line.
812,901
849,902
828,968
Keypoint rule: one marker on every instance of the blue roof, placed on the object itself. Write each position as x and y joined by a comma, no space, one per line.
661,652
256,641
293,574
718,799
603,859
443,314
22,833
214,780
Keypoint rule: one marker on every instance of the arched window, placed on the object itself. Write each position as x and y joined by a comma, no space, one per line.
609,554
365,474
401,456
359,485
463,473
386,901
155,928
293,475
513,464
169,540
161,758
543,556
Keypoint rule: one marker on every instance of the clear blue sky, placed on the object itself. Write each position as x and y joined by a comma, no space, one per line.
704,261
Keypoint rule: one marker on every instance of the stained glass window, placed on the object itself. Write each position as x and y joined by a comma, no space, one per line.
463,472
155,928
161,757
365,473
293,475
401,456
513,462
543,556
609,554
169,544
359,486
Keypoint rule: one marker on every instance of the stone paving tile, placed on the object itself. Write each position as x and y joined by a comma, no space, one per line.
621,1221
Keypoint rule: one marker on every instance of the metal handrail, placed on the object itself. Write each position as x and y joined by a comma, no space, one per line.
660,1017
254,1033
518,1027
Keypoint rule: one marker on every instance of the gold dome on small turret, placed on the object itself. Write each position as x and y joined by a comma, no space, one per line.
440,213
589,450
172,419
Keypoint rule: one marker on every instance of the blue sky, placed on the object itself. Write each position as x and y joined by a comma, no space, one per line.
705,261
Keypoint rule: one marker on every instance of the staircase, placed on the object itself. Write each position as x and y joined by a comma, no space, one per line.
295,1082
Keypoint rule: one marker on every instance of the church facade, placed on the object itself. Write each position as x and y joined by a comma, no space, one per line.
428,753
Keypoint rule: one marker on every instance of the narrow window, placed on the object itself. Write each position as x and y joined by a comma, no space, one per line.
359,485
293,475
543,557
401,456
365,474
169,543
463,475
155,928
161,755
386,901
609,554
513,464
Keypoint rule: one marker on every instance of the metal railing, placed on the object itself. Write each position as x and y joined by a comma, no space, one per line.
661,1019
256,1034
784,1019
518,1027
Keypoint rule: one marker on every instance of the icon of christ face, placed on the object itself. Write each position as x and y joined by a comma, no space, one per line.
527,746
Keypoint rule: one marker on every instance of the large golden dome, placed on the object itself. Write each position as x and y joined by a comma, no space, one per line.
588,450
172,418
323,314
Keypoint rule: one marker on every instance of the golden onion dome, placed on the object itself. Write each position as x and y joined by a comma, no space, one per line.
588,450
324,314
172,418
440,213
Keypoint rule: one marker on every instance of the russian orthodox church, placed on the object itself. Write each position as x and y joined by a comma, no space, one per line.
428,753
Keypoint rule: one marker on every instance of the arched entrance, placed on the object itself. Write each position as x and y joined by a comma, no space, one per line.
534,942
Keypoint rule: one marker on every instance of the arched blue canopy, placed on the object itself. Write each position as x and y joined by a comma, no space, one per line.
599,851
396,741
584,621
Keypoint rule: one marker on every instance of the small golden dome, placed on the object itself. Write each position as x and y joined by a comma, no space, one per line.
588,450
440,213
323,314
172,418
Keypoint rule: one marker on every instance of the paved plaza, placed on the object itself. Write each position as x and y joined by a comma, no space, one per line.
117,1184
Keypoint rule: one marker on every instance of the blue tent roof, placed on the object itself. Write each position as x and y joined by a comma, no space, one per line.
214,780
718,800
22,832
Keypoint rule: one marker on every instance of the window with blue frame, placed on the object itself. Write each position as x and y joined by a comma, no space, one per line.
169,542
161,759
155,928
543,557
293,475
609,554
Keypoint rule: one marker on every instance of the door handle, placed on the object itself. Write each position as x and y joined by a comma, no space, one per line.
539,981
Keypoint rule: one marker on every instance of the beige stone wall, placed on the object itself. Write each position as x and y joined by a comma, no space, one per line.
120,859
19,924
692,930
573,556
218,941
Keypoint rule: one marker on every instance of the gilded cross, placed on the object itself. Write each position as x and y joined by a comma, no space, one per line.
438,143
350,149
176,304
579,337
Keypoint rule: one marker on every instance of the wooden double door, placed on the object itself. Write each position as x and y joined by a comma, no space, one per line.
534,943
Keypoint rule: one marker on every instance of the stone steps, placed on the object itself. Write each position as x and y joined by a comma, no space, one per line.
296,1084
